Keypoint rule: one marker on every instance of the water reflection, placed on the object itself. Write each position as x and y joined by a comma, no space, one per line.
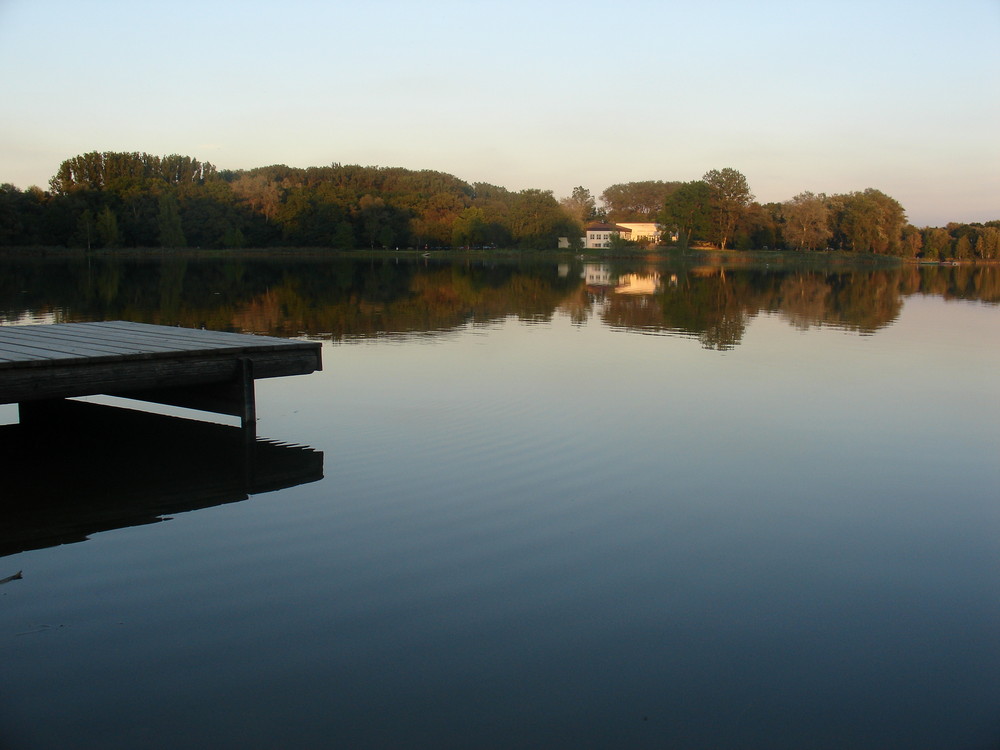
344,298
102,467
540,536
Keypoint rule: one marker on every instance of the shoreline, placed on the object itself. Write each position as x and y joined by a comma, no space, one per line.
659,254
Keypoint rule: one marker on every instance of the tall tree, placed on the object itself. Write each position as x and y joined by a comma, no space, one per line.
107,227
759,228
868,222
106,170
937,243
12,215
343,236
912,241
86,229
580,206
730,198
963,247
686,211
637,201
806,221
171,233
469,228
988,243
537,220
375,221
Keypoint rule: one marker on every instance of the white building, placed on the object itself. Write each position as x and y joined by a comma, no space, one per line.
600,234
642,231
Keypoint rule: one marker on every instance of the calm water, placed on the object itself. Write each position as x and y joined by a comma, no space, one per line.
524,505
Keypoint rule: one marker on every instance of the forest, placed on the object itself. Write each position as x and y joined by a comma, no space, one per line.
111,200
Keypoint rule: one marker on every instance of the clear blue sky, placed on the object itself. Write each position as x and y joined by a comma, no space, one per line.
900,95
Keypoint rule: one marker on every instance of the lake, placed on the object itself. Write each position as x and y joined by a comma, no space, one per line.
532,503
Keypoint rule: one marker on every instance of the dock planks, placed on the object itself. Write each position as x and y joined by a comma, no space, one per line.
212,370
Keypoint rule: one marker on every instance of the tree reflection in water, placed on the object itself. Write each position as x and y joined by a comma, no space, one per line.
346,298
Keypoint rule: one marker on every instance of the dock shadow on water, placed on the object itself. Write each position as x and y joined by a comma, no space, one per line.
108,468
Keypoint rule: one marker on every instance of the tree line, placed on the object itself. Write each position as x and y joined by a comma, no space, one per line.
720,210
138,200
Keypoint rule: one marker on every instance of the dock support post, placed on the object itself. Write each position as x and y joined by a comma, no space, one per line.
248,416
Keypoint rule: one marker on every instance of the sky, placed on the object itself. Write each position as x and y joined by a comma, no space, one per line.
829,97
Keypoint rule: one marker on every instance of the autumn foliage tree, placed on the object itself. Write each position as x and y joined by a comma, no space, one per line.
806,221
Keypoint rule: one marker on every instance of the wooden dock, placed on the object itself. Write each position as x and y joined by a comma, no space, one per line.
207,370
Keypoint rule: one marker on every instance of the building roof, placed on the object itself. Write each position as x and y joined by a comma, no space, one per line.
646,226
600,226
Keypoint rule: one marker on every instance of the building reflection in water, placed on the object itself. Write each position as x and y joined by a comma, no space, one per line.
601,277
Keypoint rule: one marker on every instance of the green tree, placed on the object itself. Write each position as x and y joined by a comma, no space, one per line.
107,227
233,238
937,243
109,170
763,226
868,222
171,233
343,236
580,206
86,229
619,245
12,215
139,199
687,211
729,200
497,204
301,219
963,248
912,241
86,171
380,223
636,201
469,228
536,220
